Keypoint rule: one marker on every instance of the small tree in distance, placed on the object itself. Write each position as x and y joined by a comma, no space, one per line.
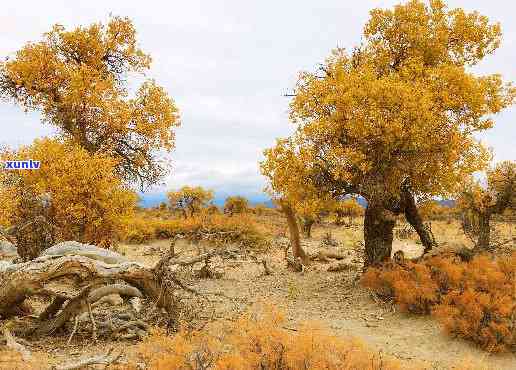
349,208
235,204
479,203
189,200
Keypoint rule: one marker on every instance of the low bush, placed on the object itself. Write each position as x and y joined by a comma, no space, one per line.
212,228
475,300
259,341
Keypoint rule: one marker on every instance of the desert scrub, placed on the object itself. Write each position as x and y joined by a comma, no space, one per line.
259,341
213,228
474,300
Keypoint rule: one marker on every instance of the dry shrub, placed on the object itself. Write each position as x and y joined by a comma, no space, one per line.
11,360
258,341
411,287
475,300
214,228
481,302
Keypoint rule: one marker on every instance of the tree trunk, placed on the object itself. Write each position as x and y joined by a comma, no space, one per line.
293,229
378,234
414,219
484,230
307,227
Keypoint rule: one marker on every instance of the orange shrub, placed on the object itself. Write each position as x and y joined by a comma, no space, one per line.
412,288
481,303
474,300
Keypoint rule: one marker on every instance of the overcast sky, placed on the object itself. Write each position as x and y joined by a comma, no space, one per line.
227,64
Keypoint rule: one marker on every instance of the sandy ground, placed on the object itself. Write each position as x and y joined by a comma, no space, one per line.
334,300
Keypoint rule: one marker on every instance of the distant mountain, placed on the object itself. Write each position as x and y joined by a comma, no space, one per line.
149,200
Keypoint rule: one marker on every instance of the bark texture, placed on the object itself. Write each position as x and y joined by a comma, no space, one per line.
293,228
307,223
378,234
484,230
416,221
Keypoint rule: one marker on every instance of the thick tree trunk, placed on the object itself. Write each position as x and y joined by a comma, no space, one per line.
293,229
484,230
378,234
414,219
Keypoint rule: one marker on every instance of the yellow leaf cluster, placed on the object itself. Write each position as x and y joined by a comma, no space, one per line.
87,200
236,204
189,199
401,107
496,195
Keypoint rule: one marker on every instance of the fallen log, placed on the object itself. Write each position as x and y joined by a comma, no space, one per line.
93,272
107,359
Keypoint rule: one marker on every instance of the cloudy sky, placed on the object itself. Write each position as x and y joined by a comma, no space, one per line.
227,63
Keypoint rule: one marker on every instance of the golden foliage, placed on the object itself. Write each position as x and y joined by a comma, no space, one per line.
475,300
402,106
347,208
189,199
77,79
87,200
236,204
259,341
498,194
432,210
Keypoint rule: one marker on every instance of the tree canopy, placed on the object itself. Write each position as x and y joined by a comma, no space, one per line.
78,80
85,200
189,200
236,204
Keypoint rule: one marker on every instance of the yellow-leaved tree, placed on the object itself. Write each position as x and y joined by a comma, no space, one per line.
480,201
236,204
393,120
349,208
189,199
287,168
74,195
77,79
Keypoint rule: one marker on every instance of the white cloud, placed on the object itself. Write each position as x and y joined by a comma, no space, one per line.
227,63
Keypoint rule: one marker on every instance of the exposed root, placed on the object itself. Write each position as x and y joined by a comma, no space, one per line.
107,359
14,345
